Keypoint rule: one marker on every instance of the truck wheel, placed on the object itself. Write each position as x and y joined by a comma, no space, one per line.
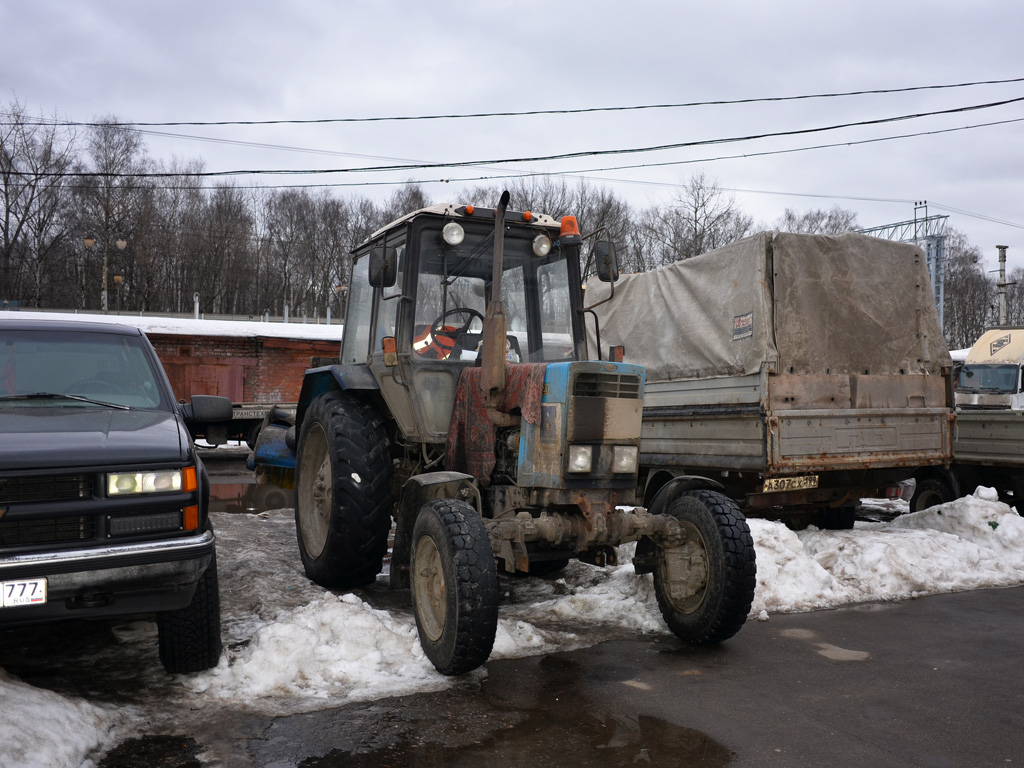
454,586
189,638
705,586
343,492
930,493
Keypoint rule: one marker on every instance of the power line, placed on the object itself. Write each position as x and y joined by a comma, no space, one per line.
539,158
525,113
584,173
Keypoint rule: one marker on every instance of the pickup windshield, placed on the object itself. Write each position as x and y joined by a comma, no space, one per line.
989,379
77,369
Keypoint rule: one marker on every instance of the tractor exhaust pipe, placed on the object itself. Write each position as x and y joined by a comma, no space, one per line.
495,333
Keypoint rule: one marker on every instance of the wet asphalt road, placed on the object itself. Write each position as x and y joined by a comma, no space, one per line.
934,682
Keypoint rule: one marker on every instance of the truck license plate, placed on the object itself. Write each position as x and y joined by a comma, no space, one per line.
24,592
800,483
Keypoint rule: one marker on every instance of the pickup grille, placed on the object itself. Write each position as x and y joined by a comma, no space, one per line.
617,385
15,490
51,530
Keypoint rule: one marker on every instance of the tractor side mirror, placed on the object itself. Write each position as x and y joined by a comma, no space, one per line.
383,266
605,262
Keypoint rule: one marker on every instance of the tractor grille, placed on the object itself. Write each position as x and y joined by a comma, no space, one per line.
45,488
617,385
50,530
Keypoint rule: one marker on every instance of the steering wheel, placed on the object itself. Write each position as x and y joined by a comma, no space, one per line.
438,326
94,387
439,340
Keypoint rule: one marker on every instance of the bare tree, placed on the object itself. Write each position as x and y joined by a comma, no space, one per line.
1015,297
969,292
700,218
35,155
110,195
833,221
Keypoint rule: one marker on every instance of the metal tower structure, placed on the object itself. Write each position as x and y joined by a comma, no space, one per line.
929,234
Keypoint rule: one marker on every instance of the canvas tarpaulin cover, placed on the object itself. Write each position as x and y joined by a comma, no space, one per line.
805,304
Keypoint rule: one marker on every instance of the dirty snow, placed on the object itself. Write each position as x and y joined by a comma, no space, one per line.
294,647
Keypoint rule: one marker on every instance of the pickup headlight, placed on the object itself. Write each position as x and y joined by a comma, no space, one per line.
624,459
156,481
580,458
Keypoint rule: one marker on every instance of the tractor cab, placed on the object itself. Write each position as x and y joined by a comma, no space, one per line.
419,292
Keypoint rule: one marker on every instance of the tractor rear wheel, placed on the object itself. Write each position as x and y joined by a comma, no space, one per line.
343,492
705,586
454,586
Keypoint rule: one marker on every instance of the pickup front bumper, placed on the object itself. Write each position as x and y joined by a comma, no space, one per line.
110,580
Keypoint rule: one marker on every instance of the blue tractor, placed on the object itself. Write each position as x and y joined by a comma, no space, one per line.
464,408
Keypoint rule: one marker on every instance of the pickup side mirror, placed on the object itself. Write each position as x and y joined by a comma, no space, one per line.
207,408
605,262
383,266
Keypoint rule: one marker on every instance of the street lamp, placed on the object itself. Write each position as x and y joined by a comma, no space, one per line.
121,244
118,279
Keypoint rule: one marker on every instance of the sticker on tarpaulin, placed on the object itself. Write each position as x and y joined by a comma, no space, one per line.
743,326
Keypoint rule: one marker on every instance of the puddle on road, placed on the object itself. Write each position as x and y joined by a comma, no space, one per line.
248,497
570,737
535,714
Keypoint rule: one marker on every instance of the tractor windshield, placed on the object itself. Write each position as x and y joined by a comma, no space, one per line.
453,288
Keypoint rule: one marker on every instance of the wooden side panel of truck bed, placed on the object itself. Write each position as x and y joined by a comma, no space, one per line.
725,423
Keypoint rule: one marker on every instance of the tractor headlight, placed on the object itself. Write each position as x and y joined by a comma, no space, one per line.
130,483
452,233
580,458
624,458
541,245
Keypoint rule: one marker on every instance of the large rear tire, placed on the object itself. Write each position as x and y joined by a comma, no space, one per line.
454,586
705,586
189,638
343,492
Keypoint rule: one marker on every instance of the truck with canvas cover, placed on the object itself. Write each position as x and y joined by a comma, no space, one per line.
988,445
463,406
800,373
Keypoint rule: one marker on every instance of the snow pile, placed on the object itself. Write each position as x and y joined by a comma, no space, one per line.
337,647
971,543
42,729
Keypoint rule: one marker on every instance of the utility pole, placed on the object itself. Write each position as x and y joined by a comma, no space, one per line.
1002,284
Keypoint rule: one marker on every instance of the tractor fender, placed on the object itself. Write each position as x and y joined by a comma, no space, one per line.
661,489
665,488
331,378
417,491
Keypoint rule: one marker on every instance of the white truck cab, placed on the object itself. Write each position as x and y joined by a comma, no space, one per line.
990,378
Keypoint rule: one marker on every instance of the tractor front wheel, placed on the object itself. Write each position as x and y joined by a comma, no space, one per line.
705,586
454,586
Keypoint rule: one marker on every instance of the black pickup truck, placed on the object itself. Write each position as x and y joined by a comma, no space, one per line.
103,499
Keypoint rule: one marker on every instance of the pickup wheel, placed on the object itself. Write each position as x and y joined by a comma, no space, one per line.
189,638
343,492
705,586
930,493
454,586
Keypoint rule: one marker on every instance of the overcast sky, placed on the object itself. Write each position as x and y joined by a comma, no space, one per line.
260,60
